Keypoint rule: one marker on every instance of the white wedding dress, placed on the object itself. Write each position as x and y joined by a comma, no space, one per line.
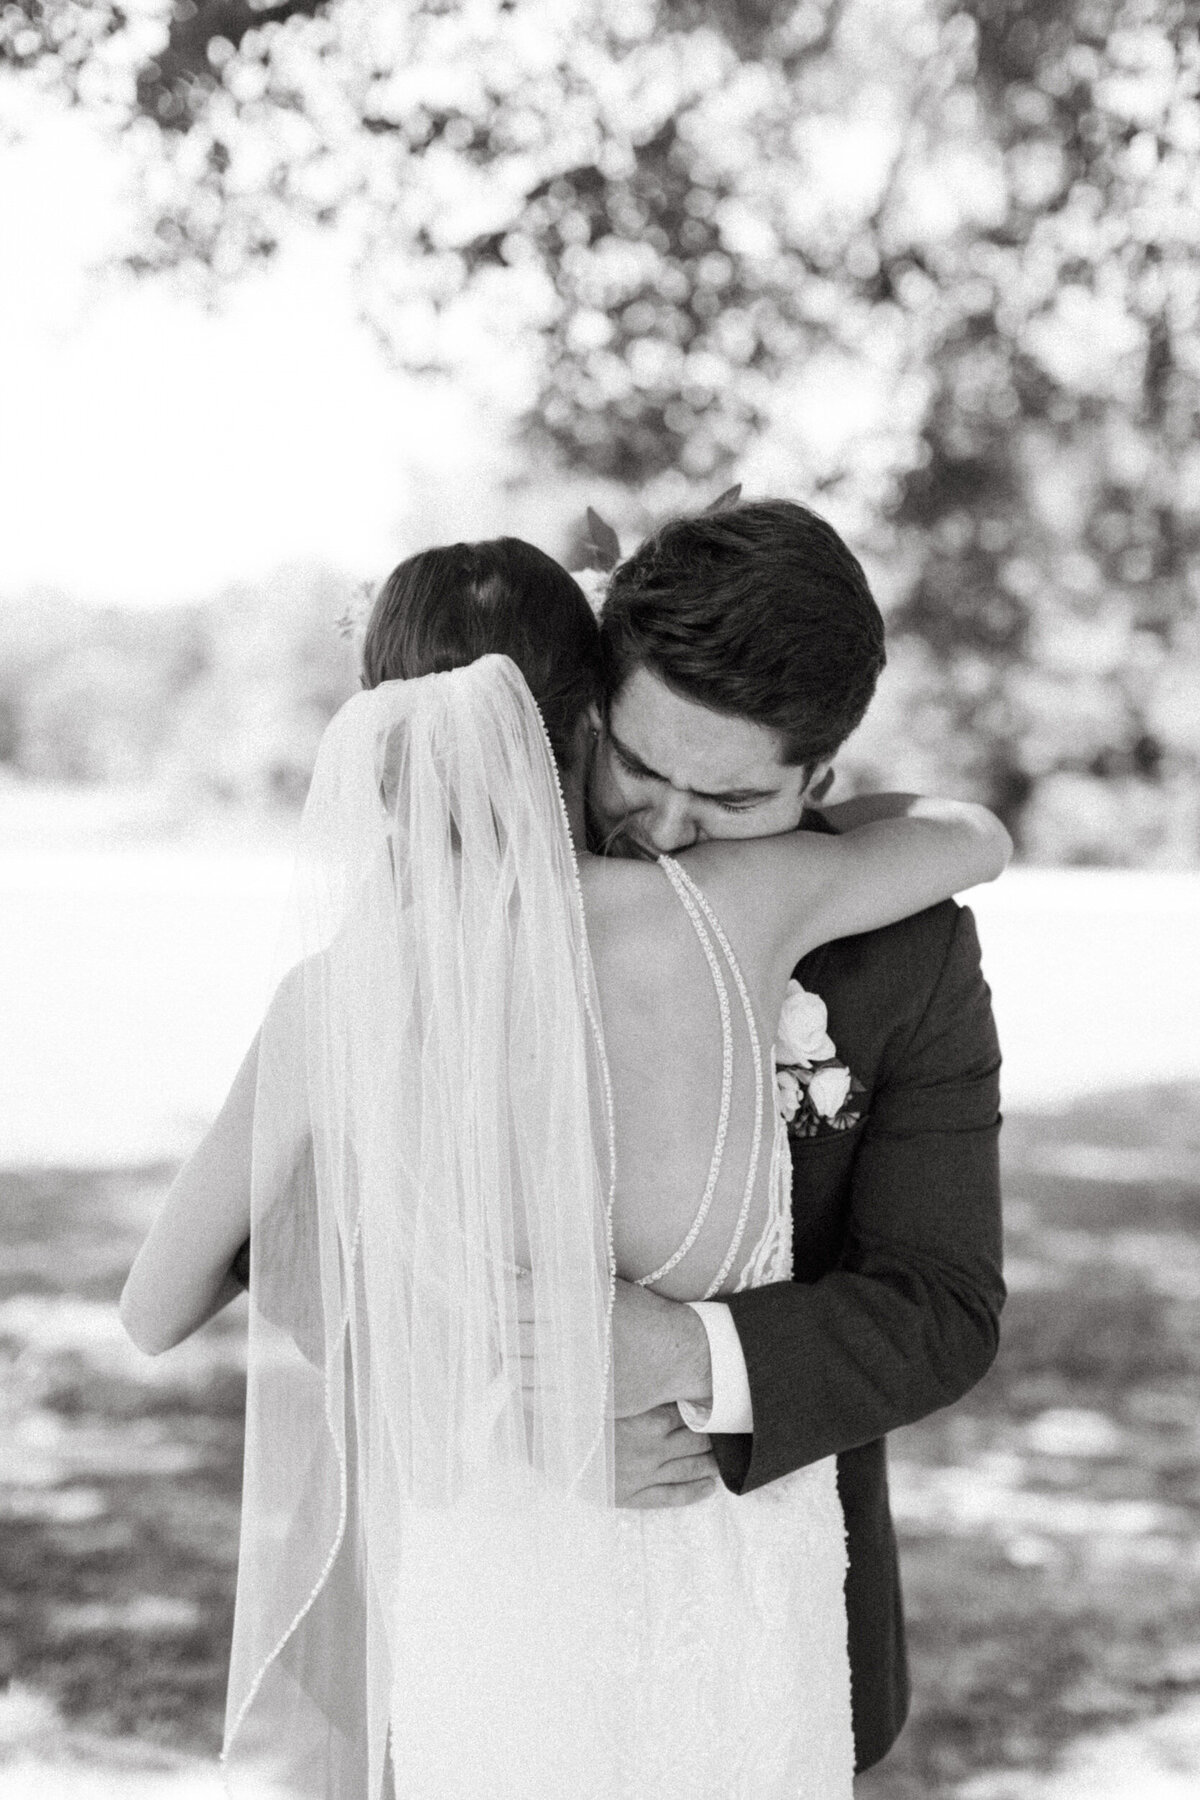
728,1666
736,1657
438,1598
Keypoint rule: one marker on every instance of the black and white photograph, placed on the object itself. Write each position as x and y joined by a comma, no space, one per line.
600,900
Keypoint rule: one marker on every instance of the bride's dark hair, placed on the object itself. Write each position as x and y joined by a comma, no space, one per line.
448,606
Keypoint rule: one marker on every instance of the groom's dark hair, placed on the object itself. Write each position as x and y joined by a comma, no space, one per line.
759,611
445,607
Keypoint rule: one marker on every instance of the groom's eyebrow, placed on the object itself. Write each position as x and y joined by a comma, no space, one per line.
733,796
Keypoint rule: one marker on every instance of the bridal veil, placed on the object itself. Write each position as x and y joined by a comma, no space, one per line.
428,1486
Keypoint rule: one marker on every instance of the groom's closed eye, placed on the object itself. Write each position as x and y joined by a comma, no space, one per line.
737,800
733,806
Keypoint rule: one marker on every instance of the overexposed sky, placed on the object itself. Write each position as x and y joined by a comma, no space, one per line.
151,450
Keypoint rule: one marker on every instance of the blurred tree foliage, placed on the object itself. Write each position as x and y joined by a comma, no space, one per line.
932,264
216,704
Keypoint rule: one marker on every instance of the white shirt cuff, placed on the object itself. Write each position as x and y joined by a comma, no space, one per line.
731,1408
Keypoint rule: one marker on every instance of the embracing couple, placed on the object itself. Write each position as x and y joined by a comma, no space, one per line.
620,1166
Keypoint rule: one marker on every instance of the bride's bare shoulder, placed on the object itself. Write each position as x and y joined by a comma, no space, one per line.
644,943
756,886
614,885
762,888
738,866
629,904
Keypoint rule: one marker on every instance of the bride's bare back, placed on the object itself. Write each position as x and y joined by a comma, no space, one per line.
663,1029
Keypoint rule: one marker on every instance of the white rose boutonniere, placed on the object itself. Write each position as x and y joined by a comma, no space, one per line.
802,1038
813,1087
829,1089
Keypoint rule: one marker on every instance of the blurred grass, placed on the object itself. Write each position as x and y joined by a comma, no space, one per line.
1050,1522
122,1475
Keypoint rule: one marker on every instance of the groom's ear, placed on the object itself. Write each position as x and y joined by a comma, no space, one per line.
819,783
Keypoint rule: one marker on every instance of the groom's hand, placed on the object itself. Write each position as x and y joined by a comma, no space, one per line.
660,1356
660,1352
659,1462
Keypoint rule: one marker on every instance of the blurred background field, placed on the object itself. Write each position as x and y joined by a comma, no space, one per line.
292,287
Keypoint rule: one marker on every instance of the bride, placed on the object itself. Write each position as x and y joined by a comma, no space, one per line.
499,1073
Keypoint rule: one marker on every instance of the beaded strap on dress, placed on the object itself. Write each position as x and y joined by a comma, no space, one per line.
718,1155
695,904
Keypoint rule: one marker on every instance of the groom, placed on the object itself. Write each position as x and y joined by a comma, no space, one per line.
741,649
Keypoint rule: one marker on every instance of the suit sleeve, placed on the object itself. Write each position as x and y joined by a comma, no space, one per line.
908,1320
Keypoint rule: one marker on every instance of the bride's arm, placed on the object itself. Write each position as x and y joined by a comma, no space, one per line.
893,855
182,1275
868,809
899,863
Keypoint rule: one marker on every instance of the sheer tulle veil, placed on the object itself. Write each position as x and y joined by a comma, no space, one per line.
428,1491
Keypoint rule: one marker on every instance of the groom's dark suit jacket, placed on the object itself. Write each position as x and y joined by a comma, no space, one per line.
894,1306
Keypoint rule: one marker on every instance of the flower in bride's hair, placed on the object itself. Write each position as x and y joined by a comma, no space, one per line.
802,1038
351,620
594,583
788,1094
829,1089
602,549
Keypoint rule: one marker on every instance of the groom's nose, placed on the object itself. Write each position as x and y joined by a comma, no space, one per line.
669,823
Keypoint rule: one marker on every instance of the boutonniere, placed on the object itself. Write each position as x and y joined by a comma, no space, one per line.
813,1086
